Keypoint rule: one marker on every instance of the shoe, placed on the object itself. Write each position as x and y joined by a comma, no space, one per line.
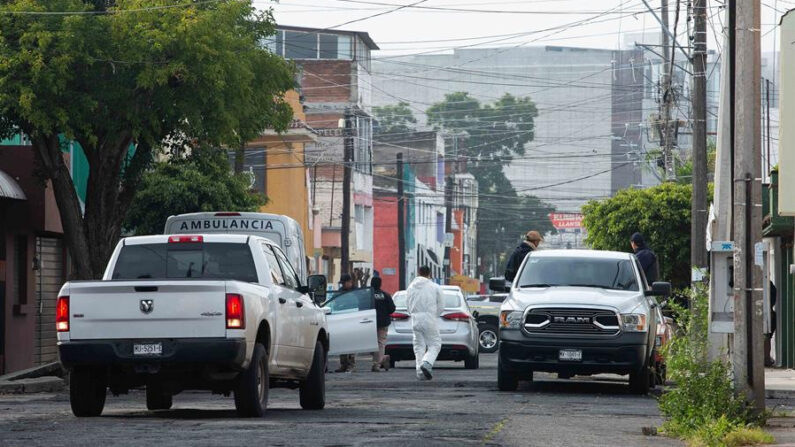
376,368
427,370
385,363
420,376
341,369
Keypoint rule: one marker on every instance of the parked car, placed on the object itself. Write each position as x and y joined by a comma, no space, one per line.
487,314
579,312
220,312
457,326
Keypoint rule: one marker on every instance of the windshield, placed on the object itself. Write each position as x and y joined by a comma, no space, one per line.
188,260
542,271
452,300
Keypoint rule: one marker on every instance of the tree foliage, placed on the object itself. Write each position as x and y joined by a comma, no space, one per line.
495,134
396,118
200,182
661,213
137,72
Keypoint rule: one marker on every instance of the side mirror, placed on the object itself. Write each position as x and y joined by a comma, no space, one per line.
499,284
475,314
317,285
659,288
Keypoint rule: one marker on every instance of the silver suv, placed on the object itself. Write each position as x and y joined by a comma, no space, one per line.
578,312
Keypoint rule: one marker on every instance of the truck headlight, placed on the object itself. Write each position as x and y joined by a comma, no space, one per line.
634,322
510,319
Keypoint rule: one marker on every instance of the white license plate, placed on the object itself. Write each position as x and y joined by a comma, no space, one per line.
570,355
148,349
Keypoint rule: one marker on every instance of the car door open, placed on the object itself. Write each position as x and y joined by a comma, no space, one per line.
351,322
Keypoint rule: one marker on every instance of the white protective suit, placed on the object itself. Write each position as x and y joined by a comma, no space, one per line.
425,305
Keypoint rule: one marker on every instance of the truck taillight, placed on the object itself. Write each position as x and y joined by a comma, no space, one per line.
398,316
185,239
456,316
62,314
235,313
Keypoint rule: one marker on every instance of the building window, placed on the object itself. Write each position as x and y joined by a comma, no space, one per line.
300,45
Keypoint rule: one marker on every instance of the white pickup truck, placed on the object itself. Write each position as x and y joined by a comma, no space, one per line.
219,312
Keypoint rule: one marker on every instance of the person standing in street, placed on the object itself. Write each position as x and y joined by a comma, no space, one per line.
530,243
425,305
384,306
647,258
347,361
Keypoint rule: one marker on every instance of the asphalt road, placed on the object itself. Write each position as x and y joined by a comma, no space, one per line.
459,407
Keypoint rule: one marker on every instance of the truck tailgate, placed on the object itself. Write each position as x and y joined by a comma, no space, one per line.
147,309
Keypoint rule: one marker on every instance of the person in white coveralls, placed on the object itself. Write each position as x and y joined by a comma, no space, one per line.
425,305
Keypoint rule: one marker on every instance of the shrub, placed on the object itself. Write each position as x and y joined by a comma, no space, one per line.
703,408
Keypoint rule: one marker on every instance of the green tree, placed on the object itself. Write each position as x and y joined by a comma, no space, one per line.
684,170
397,118
661,213
200,182
495,134
131,72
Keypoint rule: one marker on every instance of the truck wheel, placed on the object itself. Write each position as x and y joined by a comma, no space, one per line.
506,380
87,391
640,380
472,361
489,340
157,398
251,390
313,390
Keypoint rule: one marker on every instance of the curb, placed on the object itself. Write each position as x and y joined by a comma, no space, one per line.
779,394
46,384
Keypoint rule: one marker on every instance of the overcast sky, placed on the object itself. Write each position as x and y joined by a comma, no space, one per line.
593,23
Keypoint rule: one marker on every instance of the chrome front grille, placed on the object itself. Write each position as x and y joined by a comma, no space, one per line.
571,321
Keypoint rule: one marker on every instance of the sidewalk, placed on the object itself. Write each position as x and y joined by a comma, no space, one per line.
780,383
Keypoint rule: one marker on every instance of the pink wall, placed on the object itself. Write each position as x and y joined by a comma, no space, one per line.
385,241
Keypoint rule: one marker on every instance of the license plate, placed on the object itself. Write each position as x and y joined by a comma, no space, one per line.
570,355
148,349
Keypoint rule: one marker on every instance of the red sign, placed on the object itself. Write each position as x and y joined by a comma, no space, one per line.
563,221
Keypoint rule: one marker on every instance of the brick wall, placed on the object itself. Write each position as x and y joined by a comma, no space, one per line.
326,81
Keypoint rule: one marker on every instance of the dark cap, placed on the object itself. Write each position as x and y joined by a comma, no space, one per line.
345,278
637,238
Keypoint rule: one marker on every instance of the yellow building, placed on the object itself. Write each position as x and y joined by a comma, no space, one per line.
278,164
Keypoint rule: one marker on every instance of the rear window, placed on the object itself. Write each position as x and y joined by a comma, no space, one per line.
188,260
451,300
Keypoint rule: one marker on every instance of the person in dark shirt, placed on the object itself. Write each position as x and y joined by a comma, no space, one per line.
384,307
647,258
530,243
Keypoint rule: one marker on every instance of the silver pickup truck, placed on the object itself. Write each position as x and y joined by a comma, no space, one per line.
578,312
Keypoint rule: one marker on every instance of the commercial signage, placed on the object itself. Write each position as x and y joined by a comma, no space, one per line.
562,221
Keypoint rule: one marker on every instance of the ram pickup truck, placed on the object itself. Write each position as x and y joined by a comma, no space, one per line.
218,312
578,312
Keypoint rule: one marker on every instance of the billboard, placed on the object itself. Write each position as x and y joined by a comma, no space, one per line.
563,221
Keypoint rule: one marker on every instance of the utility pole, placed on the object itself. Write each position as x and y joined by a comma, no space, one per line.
448,225
747,352
346,194
666,133
698,211
401,224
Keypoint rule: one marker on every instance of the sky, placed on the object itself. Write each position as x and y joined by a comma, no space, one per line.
439,26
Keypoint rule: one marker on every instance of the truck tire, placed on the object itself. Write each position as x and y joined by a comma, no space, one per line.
87,391
157,398
640,380
472,361
506,380
313,390
251,390
488,338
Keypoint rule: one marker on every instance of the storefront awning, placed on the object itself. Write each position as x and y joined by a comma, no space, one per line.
9,188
